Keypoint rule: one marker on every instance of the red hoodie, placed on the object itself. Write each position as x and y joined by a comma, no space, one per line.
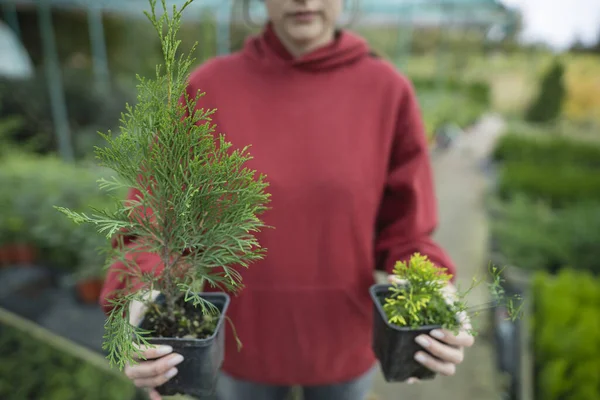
339,134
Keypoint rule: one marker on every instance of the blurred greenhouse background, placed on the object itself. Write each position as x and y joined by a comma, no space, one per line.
514,129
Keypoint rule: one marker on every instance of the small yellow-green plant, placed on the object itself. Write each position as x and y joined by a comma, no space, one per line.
421,296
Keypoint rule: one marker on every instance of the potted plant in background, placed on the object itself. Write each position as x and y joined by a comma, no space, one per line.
6,214
417,303
198,209
89,288
89,277
16,243
18,249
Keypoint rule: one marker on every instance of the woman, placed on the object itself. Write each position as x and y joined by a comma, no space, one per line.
339,134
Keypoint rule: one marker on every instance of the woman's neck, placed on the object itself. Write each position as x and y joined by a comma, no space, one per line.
298,49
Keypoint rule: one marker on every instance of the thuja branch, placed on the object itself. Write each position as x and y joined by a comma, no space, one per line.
198,205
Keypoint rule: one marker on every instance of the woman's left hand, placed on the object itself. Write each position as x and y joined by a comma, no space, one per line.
447,347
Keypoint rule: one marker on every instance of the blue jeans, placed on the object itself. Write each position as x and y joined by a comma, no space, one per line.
229,388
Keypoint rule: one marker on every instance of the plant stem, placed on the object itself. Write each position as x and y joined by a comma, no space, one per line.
483,307
156,309
170,285
169,291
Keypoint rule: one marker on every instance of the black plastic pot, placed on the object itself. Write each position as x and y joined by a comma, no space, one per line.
394,346
199,371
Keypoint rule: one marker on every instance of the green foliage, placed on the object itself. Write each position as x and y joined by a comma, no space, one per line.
199,206
32,185
421,301
525,235
420,297
531,235
558,184
547,106
31,369
548,212
87,111
450,101
7,127
566,345
478,92
546,150
441,108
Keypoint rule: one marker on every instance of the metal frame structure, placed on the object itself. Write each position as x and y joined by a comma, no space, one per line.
402,13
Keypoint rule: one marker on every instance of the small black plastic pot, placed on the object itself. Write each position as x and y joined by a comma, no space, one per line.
395,346
199,371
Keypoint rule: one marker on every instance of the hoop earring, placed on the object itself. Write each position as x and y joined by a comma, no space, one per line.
246,15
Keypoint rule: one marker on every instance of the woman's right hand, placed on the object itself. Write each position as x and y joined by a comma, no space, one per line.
157,364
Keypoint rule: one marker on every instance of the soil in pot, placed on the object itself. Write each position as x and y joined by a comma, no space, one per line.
395,346
200,339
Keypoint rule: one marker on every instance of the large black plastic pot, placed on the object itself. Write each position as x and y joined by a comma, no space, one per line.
199,371
394,346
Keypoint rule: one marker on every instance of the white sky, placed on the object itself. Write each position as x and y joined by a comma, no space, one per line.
559,22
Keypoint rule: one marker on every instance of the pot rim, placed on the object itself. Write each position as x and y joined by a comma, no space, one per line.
381,287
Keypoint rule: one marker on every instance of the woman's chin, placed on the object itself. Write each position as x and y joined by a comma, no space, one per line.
307,33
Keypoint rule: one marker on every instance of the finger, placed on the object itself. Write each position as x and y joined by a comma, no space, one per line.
412,381
155,381
151,352
138,308
440,350
151,295
441,367
463,339
136,311
152,369
154,395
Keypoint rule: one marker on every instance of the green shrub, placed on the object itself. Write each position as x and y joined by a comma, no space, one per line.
565,336
34,184
531,235
558,184
580,232
555,150
87,110
451,101
546,107
521,232
32,369
441,108
478,92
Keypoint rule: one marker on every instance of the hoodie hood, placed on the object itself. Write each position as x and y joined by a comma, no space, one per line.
267,50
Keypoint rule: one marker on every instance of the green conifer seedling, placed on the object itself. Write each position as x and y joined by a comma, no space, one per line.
199,206
419,297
